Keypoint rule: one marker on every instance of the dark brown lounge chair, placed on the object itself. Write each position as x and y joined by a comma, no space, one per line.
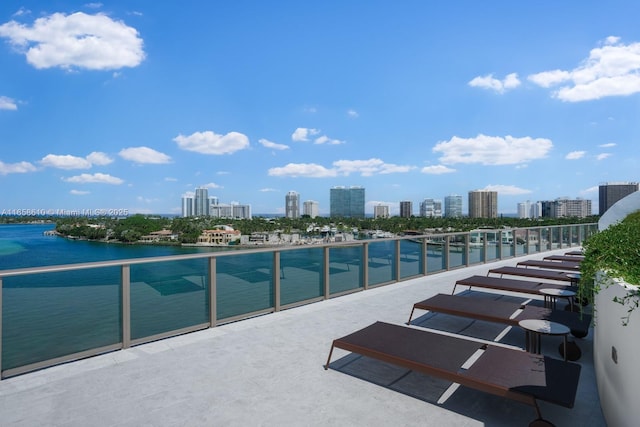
576,253
511,285
536,273
552,265
510,373
569,258
504,312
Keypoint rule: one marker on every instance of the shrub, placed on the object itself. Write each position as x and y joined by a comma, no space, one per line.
615,251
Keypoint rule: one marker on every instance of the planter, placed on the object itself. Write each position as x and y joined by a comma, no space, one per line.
615,353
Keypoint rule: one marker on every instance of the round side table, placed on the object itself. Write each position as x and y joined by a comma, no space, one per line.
535,328
551,296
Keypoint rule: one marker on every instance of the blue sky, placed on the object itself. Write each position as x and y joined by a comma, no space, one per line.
132,104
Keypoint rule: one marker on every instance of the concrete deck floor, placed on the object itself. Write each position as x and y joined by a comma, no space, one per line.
268,371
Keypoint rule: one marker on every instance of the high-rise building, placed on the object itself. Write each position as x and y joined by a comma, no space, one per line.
346,202
201,202
524,209
483,204
565,207
406,209
292,205
310,208
187,205
609,193
381,211
431,208
529,209
241,211
453,206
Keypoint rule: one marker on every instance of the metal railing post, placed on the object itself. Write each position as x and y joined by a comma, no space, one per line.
365,265
424,254
445,254
326,271
467,249
276,280
125,274
213,298
397,258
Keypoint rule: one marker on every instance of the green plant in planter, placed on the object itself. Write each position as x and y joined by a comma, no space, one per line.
616,251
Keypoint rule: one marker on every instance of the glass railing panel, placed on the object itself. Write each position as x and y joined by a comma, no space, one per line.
457,251
244,284
493,250
381,262
410,257
545,239
565,236
166,296
50,315
575,235
507,242
533,244
436,259
520,242
556,237
476,248
345,268
301,275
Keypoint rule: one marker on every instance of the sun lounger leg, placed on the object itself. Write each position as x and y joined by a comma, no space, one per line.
411,315
329,358
539,422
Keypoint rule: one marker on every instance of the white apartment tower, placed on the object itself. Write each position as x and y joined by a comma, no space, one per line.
431,208
292,205
310,208
381,211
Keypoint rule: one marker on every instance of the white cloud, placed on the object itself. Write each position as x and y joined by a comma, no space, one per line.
507,190
492,150
437,170
99,178
94,42
208,142
171,179
340,167
267,190
607,145
368,167
511,81
275,146
353,114
574,155
7,103
303,134
603,156
79,192
74,162
144,155
326,140
65,162
309,170
21,12
211,186
21,167
590,190
612,69
99,158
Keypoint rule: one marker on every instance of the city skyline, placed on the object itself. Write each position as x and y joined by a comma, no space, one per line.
131,105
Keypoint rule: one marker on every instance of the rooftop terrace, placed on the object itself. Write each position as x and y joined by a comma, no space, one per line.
268,371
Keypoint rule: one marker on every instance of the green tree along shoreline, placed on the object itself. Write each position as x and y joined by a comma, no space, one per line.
130,229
